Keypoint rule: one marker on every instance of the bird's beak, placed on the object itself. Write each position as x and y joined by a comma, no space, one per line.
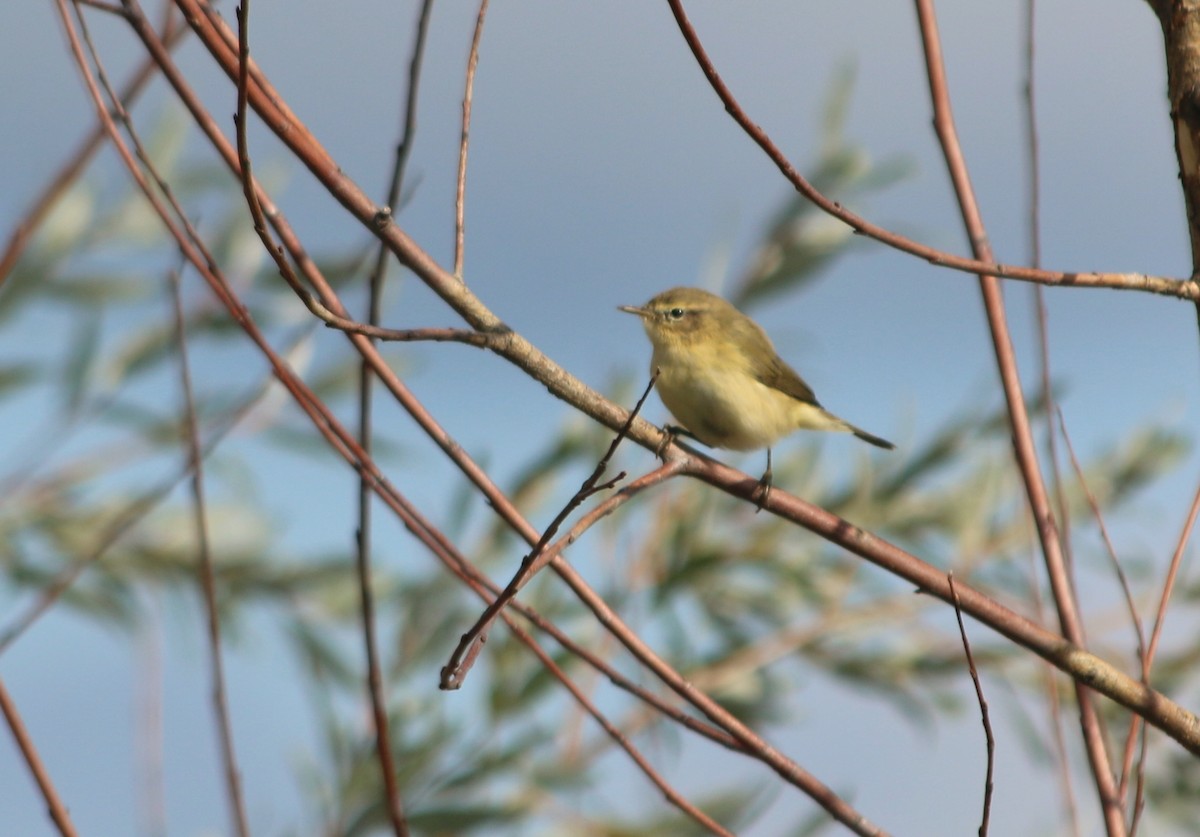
633,309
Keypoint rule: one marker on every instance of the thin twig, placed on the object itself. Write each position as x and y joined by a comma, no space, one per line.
493,340
366,380
460,189
195,463
1041,315
1139,796
1134,618
1053,702
101,5
58,811
1151,648
988,784
471,643
1160,615
1135,722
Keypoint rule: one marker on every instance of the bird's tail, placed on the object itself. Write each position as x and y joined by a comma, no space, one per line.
870,438
822,419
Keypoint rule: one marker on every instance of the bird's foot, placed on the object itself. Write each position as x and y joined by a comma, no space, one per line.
763,490
669,432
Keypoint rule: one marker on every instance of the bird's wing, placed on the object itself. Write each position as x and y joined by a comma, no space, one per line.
774,372
778,375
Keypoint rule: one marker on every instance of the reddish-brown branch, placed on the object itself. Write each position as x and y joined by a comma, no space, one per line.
58,811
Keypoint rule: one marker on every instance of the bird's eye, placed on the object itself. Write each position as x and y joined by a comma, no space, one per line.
676,313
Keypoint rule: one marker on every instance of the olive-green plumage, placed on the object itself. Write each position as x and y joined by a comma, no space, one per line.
720,376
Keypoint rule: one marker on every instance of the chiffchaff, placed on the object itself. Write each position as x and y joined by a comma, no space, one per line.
720,376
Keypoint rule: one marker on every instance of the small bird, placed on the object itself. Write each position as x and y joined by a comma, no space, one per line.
721,378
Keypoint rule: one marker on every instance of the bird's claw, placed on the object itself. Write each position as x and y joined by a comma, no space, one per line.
762,491
670,434
764,486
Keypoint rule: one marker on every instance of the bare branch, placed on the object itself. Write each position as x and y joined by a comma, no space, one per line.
366,379
58,811
208,587
461,181
988,784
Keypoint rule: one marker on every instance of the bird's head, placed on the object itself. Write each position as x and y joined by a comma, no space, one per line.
684,317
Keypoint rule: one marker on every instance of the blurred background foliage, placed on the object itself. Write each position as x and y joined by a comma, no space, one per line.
748,608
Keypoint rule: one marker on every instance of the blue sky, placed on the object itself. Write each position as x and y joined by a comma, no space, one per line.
602,170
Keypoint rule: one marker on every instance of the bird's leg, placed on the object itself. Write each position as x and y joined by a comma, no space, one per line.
764,485
670,431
